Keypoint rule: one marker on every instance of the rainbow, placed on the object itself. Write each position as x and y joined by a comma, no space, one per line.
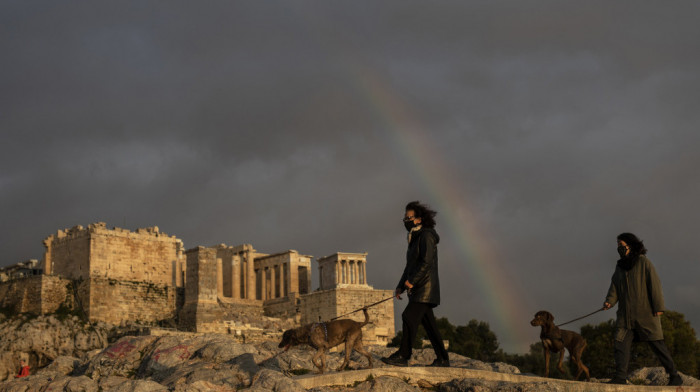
479,262
410,141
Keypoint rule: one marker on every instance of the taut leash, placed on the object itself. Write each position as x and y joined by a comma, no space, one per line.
582,317
364,307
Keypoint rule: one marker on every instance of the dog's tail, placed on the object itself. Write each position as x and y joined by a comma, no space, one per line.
366,318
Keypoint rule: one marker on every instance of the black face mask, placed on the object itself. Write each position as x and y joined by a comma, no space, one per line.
408,224
621,250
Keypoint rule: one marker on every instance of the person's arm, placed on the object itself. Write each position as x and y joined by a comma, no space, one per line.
611,298
656,295
426,258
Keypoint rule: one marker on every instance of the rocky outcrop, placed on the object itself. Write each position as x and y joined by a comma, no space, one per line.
200,362
658,376
41,340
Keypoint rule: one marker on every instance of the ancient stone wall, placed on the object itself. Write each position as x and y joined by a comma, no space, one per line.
285,307
145,255
240,309
327,304
67,253
38,294
119,301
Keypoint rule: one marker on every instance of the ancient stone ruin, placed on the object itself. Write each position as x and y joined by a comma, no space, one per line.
118,276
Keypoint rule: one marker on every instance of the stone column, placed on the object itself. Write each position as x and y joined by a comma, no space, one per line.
263,284
273,282
219,277
250,275
308,279
48,263
178,273
235,277
336,270
283,279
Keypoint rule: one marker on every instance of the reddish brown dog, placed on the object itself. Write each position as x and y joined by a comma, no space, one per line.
557,340
323,336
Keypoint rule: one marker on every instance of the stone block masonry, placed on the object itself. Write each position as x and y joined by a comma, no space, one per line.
120,301
143,256
327,304
201,312
38,294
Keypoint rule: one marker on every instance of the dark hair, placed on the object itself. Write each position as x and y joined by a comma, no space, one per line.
636,245
422,211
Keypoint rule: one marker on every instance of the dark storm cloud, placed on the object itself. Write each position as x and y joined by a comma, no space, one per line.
561,125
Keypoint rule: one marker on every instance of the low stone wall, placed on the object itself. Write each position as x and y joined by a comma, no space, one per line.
114,301
240,309
38,294
286,307
326,304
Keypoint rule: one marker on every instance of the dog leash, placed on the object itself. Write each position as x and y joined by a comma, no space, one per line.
364,307
582,317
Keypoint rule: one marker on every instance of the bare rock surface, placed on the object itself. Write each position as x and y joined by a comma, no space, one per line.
40,340
658,376
210,362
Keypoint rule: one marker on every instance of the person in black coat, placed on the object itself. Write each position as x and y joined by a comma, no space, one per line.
420,279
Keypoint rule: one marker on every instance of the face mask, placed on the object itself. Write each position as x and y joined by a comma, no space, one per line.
621,250
408,224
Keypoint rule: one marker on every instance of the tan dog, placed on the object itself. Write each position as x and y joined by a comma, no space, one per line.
323,336
556,340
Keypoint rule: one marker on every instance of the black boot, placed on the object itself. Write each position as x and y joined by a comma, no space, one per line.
440,363
395,359
617,380
676,380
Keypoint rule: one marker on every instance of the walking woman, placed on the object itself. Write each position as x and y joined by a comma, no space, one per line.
636,289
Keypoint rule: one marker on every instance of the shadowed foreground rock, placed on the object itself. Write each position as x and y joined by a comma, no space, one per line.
217,363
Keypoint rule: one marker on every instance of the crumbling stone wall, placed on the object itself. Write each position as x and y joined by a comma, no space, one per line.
285,307
130,301
119,275
38,294
240,309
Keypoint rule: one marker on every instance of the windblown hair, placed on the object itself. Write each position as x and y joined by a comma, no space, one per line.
423,212
636,245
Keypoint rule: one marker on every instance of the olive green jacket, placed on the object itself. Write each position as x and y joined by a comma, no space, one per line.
638,295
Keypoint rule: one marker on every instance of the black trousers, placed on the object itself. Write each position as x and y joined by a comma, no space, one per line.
623,348
415,314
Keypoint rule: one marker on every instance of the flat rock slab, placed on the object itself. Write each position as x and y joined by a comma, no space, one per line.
431,375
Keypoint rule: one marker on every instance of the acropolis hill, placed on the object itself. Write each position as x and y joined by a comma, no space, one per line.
118,276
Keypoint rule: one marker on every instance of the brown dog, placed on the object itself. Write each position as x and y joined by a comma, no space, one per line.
556,340
323,336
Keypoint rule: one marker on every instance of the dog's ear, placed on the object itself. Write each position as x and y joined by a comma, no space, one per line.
549,316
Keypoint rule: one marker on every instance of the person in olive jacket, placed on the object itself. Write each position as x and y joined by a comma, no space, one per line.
420,278
636,289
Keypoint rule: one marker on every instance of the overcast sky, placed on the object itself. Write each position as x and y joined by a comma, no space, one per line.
538,130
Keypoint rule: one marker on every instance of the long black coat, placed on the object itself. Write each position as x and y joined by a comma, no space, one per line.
422,267
639,295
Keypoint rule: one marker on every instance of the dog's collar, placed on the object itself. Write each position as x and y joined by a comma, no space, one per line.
325,330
